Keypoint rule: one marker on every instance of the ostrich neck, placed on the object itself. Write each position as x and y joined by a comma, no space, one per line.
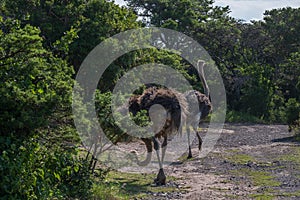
203,80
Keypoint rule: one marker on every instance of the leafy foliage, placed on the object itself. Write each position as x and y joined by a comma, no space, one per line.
73,28
106,119
31,170
35,83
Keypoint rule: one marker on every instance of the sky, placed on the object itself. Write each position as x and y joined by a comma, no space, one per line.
250,9
254,9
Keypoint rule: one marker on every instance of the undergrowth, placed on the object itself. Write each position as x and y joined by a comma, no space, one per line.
122,185
241,117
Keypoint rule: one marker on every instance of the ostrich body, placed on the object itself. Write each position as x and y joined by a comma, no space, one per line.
195,116
177,112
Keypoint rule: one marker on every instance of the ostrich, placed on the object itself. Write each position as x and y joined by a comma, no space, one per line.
196,115
177,112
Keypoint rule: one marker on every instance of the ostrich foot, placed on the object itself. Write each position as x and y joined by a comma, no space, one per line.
200,147
200,141
161,178
190,153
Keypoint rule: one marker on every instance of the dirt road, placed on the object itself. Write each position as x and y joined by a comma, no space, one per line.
248,162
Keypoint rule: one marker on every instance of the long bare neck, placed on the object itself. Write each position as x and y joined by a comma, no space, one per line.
200,66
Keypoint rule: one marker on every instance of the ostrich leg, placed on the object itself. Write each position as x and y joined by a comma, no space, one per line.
189,142
200,140
164,148
148,143
161,178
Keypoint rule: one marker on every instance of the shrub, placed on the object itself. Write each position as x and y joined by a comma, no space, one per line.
293,116
32,170
34,83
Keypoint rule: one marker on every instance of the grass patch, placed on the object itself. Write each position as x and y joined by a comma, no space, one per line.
109,191
262,196
291,194
119,185
233,150
293,156
258,178
240,159
231,196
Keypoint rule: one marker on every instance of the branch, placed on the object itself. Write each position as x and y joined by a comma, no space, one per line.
22,50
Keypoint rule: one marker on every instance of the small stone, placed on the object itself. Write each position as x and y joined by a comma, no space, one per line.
276,162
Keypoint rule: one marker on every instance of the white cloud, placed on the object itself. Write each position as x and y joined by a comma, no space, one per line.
120,2
254,9
249,9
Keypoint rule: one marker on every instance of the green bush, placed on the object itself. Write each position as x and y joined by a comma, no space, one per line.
293,115
32,170
240,117
34,83
292,110
106,119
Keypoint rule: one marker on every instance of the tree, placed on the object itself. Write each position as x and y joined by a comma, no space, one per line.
99,20
71,29
209,25
288,81
34,83
282,27
35,96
